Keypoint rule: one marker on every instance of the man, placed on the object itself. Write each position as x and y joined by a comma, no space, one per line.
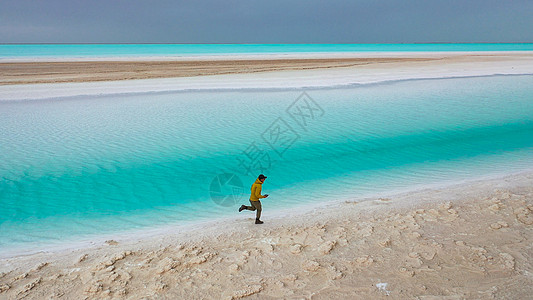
254,198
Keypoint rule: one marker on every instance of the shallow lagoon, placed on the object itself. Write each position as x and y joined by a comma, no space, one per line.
73,167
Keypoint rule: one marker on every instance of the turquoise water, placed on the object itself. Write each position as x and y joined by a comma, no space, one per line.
74,167
163,50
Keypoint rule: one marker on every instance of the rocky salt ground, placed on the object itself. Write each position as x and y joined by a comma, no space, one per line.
469,241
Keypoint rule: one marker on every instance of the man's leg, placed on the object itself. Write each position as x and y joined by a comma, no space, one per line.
257,205
252,208
243,207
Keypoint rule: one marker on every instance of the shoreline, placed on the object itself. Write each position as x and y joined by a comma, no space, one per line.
136,234
324,73
451,204
129,236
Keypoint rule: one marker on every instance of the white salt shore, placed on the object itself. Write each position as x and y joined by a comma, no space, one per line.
448,65
472,240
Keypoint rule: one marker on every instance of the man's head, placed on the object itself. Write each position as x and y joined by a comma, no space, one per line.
262,177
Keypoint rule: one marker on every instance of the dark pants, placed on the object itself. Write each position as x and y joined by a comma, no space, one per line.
256,205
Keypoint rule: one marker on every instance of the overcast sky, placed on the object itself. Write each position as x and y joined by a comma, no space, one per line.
268,21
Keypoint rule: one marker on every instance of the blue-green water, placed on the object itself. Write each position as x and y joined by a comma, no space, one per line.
28,51
78,166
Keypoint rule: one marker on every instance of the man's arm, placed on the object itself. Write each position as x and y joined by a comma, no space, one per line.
258,193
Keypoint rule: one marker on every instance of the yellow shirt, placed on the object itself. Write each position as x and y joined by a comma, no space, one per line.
256,191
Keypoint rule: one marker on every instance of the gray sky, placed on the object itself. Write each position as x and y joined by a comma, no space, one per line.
267,21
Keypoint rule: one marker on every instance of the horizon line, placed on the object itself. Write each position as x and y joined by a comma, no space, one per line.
415,43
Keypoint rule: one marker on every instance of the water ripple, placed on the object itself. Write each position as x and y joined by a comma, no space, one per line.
83,166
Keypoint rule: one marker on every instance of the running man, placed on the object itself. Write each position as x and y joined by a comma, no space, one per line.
254,198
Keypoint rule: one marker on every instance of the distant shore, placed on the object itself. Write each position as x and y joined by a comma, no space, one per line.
57,79
82,71
61,71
